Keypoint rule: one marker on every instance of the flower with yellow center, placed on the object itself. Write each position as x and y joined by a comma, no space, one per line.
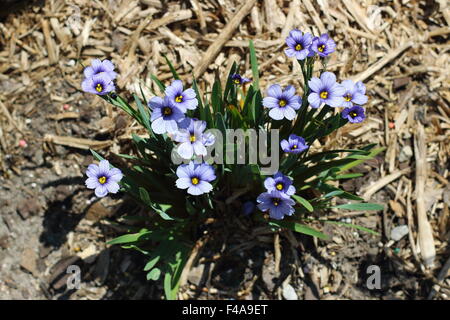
192,138
298,47
167,111
99,87
279,186
324,94
102,179
179,98
348,97
195,181
321,48
282,103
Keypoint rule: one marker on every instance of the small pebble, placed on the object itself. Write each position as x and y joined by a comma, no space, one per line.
289,292
399,232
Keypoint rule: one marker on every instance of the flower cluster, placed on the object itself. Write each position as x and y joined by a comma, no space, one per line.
169,116
99,77
303,45
285,104
324,90
277,198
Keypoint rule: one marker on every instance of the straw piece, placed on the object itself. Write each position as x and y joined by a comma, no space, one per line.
224,36
426,241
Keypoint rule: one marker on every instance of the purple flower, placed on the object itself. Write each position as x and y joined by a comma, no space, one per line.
299,44
353,95
195,178
97,66
277,203
238,79
191,138
325,90
294,144
184,100
282,103
354,114
165,115
99,84
281,183
323,45
103,179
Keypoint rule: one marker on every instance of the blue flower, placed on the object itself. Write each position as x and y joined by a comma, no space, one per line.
277,203
184,100
325,90
191,138
353,95
280,183
103,179
299,44
195,178
323,45
99,84
238,79
97,66
294,144
165,115
354,114
283,104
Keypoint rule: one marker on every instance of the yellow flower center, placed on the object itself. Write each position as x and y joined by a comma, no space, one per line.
279,186
324,94
237,81
298,47
102,179
282,103
195,181
179,98
294,146
167,111
348,97
276,202
321,48
99,87
353,114
192,138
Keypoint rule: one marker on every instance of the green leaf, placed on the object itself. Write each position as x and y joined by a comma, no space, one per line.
129,238
145,196
352,164
170,294
352,226
154,274
216,97
96,155
303,202
254,63
172,69
160,85
360,206
300,228
144,114
151,263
